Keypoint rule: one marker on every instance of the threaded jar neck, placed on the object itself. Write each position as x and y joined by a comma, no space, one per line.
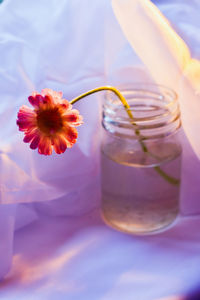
155,110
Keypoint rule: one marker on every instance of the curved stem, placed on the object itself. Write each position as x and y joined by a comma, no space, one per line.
167,177
122,99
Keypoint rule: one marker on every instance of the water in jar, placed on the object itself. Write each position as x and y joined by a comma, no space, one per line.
136,198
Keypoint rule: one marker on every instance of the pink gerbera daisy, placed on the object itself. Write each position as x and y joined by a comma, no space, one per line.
51,124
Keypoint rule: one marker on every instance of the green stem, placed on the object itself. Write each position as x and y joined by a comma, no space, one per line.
170,179
124,102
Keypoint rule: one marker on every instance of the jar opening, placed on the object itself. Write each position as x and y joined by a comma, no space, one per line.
155,111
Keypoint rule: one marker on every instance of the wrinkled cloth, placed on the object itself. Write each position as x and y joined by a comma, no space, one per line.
81,258
52,238
166,56
39,49
171,63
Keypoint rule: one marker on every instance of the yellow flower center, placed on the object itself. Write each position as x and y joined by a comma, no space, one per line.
49,121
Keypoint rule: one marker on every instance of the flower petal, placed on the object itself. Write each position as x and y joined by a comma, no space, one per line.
65,104
55,95
59,144
26,118
73,117
48,99
35,142
25,113
30,135
25,125
45,146
71,134
35,100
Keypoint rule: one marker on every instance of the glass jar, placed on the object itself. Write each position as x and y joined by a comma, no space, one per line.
141,159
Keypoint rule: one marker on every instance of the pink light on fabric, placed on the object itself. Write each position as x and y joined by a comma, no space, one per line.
166,56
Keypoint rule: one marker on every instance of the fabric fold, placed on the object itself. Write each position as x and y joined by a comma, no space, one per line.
165,55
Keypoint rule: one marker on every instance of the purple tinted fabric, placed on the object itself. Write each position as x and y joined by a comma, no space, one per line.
53,243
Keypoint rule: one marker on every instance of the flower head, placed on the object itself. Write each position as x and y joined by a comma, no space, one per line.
50,124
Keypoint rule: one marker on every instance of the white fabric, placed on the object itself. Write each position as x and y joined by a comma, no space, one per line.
166,56
36,52
83,259
168,60
62,250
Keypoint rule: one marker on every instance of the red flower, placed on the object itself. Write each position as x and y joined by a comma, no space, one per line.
51,124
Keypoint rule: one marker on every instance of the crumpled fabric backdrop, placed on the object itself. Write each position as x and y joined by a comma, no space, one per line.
174,61
51,226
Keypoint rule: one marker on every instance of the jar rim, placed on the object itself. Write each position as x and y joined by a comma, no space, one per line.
155,109
145,86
